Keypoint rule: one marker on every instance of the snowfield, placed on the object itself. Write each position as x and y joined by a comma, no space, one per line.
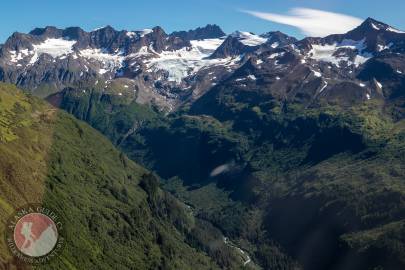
110,62
56,47
249,39
186,61
329,52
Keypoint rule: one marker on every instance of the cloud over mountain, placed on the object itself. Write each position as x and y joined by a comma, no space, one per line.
312,22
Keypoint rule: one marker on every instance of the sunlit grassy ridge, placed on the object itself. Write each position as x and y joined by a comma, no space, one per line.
114,213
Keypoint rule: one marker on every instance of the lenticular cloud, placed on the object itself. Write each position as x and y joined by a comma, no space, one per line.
312,22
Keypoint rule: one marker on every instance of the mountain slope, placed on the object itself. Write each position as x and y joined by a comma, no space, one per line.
115,215
289,148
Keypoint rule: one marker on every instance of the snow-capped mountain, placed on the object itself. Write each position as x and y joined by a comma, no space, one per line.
173,69
365,63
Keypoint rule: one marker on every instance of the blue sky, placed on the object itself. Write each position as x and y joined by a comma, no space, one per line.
173,15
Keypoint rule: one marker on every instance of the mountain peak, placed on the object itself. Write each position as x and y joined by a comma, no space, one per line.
277,38
208,31
372,24
48,31
241,34
372,20
372,28
158,30
104,28
375,25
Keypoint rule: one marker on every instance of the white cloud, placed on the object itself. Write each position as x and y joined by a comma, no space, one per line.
312,22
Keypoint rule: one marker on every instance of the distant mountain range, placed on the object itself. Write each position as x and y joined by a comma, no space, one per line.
174,69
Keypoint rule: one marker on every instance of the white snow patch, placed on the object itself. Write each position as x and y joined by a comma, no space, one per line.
145,32
361,59
207,46
391,29
362,85
295,48
249,39
259,61
14,56
131,34
138,33
55,47
317,74
252,77
110,61
399,72
368,96
274,55
22,54
379,84
102,71
186,61
326,53
375,26
383,47
275,45
143,51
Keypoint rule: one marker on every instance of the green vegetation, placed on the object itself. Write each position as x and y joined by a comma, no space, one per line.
296,180
115,214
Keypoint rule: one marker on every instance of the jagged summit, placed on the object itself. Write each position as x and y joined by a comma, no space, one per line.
374,24
51,30
278,39
371,26
206,32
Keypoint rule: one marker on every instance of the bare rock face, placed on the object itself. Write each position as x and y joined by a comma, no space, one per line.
207,32
230,47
